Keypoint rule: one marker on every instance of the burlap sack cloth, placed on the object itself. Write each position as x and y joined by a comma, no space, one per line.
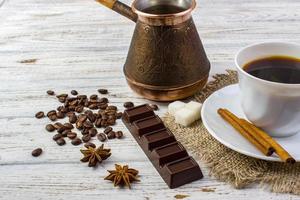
226,164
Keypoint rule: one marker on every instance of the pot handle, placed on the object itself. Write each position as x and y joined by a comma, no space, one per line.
120,8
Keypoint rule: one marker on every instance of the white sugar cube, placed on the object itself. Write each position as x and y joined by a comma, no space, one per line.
185,116
194,106
175,106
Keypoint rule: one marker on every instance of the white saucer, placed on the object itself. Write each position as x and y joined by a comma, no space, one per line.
228,97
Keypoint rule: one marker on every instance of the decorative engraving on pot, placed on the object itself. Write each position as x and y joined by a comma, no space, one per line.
166,55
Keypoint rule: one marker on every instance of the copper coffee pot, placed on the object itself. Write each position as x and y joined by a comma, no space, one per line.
166,60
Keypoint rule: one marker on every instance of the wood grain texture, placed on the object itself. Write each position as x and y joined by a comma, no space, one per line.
80,45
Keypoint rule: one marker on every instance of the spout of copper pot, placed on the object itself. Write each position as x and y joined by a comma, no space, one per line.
120,8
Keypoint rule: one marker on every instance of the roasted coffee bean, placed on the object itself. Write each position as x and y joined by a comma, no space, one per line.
128,104
154,106
50,92
50,127
40,114
89,144
60,115
87,103
93,106
104,116
112,108
52,117
82,97
65,133
86,138
61,141
91,117
119,134
70,113
119,115
85,131
79,109
107,130
62,99
87,112
62,95
98,123
103,106
58,125
103,91
51,112
111,122
93,132
103,100
94,96
79,125
73,102
111,135
74,92
82,118
101,137
68,126
72,118
76,141
59,108
88,124
36,152
57,136
71,135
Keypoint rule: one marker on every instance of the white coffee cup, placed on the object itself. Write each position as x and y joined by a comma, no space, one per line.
275,107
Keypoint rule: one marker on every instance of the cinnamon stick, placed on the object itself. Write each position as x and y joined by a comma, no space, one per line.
235,122
280,151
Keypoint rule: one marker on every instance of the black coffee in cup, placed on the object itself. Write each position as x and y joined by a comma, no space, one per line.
281,69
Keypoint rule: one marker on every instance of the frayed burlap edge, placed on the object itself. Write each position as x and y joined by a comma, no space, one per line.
226,164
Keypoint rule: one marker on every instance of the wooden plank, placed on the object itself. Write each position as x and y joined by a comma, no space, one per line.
82,45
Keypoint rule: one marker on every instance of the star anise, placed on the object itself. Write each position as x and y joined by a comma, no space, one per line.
95,155
122,175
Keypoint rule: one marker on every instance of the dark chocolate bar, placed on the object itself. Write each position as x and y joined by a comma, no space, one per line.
167,155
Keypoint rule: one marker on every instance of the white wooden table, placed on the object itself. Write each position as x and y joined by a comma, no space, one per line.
81,45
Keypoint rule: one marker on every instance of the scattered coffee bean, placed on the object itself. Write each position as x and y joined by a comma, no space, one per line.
103,100
86,138
61,129
154,106
62,99
119,134
128,104
103,106
36,152
76,141
68,126
112,108
111,135
72,118
57,136
61,141
93,106
62,95
91,117
107,130
79,109
74,92
50,127
101,137
98,123
71,135
82,118
89,144
40,114
79,125
50,92
103,91
58,125
94,96
93,132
